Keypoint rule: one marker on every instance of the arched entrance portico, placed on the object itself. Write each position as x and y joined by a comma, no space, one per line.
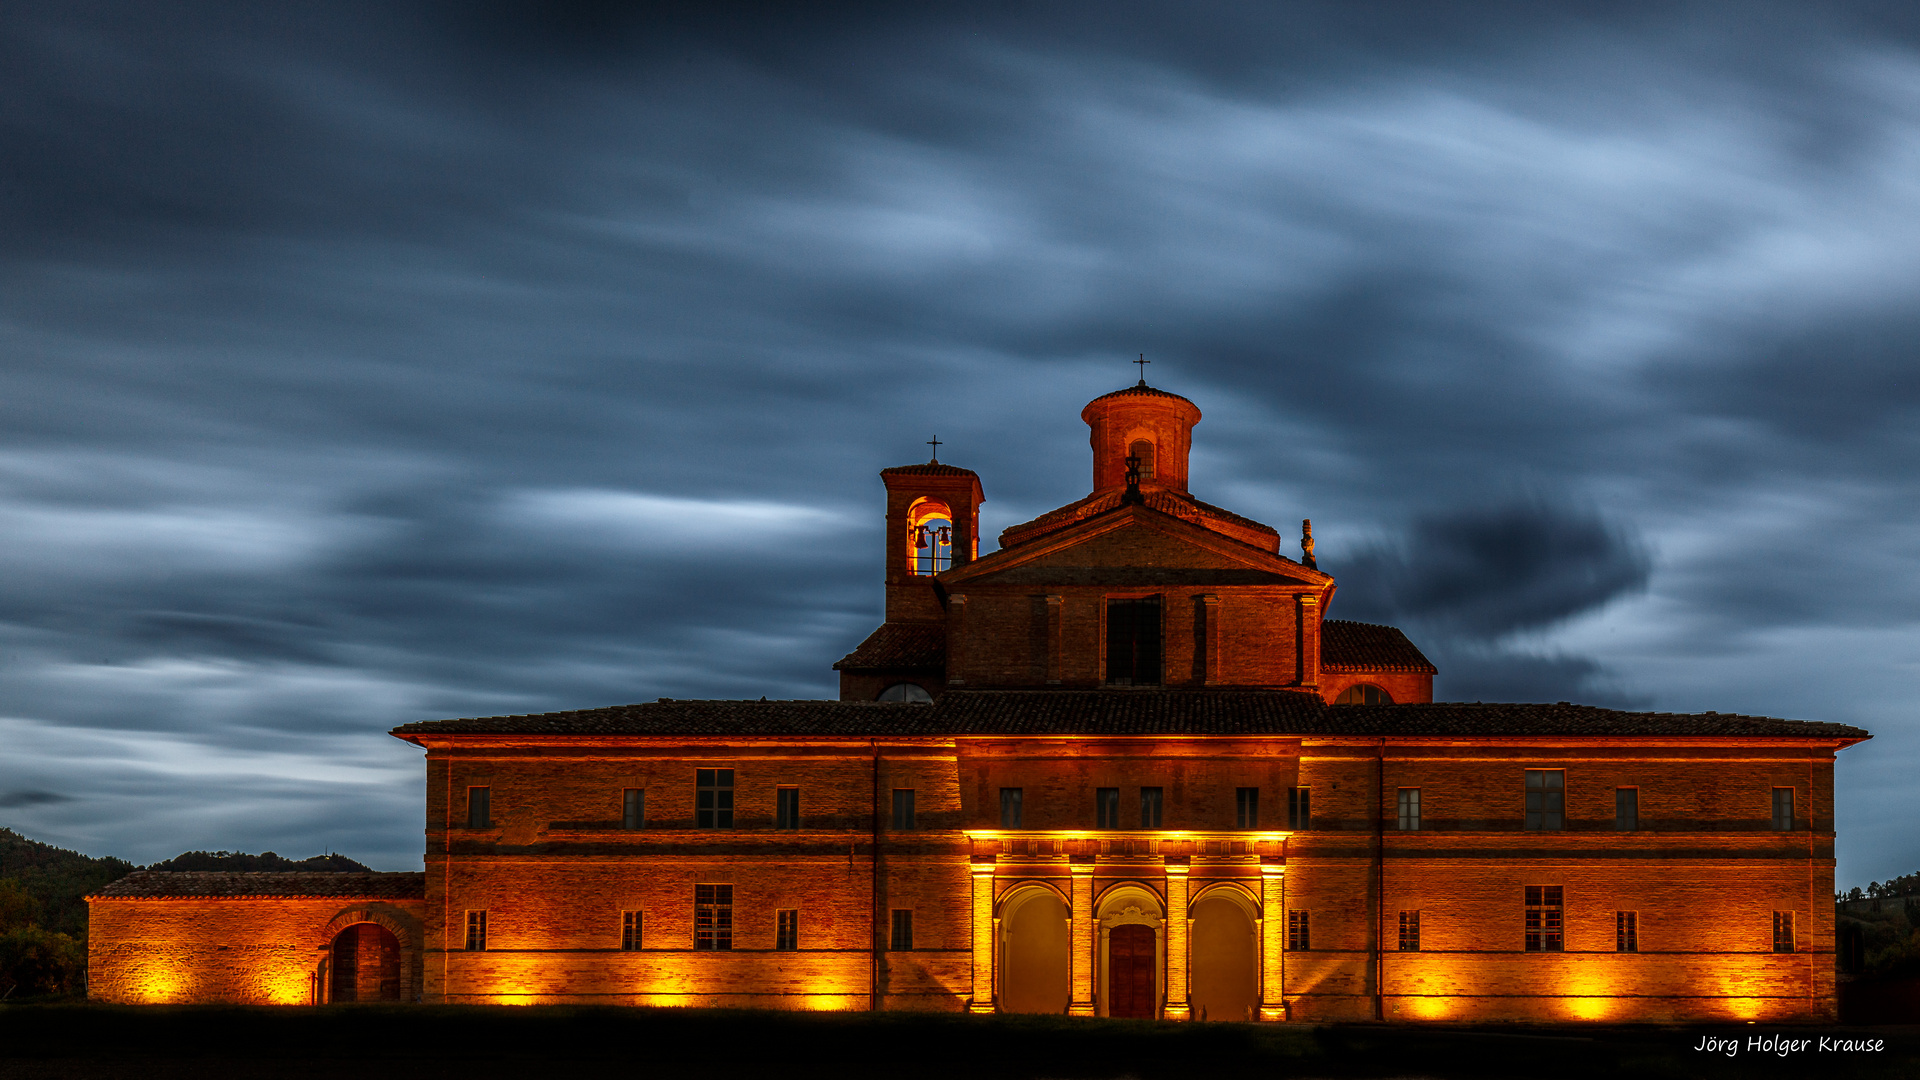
1035,971
1225,955
1132,952
365,963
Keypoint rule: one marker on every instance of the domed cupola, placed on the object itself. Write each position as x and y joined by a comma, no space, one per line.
1140,421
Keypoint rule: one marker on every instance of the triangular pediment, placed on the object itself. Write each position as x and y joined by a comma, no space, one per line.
1134,546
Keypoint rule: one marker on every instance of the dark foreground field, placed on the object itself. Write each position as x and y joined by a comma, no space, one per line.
471,1043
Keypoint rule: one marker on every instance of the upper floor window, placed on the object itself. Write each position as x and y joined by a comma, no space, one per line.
1626,809
1546,798
1246,808
1106,808
633,808
903,809
479,808
901,939
1546,918
786,811
1133,642
1783,808
929,537
1299,808
1150,803
1010,808
1364,694
1410,809
713,799
476,930
1142,449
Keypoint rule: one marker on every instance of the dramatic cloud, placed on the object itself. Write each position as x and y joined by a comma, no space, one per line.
367,364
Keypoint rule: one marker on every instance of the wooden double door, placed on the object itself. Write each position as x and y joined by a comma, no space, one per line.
1131,981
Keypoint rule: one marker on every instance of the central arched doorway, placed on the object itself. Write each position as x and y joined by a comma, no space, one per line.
1132,951
365,964
1035,974
1226,956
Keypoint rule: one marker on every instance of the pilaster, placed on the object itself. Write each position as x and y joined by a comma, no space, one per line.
984,936
1273,942
1083,933
1178,1004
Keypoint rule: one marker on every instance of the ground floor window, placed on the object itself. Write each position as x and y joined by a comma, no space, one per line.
713,916
1546,915
1626,931
902,937
629,930
1409,931
1299,932
786,933
476,930
1783,931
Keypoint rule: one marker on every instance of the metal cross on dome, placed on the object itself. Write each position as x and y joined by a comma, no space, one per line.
1143,362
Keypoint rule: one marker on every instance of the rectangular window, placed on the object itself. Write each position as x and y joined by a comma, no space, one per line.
786,930
633,808
1626,809
901,940
1546,798
903,809
1009,807
1246,808
713,916
1299,936
1299,808
1150,807
1409,931
1783,931
629,931
476,930
1133,642
786,810
479,808
1545,919
1106,807
1626,931
1409,809
713,799
1783,808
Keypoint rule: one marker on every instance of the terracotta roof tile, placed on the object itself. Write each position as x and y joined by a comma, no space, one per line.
1142,390
928,468
162,884
899,646
1175,503
1358,646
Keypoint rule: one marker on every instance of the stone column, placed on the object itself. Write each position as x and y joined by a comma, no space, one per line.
984,939
1178,1005
1273,942
1083,936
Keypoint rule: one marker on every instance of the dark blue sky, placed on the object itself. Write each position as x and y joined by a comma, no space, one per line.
368,365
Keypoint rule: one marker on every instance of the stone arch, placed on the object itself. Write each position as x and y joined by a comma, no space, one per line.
1036,949
1130,982
403,926
1224,949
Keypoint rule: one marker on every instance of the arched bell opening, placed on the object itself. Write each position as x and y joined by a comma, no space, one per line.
1035,951
1224,950
1132,952
364,965
929,537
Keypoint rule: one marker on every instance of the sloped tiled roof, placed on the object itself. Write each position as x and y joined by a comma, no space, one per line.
928,468
899,646
1177,504
162,884
1141,389
961,713
1358,646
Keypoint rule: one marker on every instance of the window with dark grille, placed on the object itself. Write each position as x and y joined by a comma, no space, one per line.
1299,808
1409,809
901,940
1626,809
479,808
1783,808
1545,919
1133,642
713,916
1546,798
633,808
1009,807
1626,931
629,930
786,930
1106,808
1150,802
713,799
786,810
1409,931
1246,808
476,930
1783,931
1299,932
903,809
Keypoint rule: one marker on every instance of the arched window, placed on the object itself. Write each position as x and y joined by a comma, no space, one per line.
1363,694
1143,450
905,691
929,537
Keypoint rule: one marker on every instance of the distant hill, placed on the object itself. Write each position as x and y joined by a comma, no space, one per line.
267,860
57,879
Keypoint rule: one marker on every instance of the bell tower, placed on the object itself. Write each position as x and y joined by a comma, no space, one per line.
1140,421
933,524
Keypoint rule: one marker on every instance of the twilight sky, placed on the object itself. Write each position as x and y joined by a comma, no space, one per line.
364,366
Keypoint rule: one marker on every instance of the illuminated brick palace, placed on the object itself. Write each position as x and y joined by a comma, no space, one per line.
1122,766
